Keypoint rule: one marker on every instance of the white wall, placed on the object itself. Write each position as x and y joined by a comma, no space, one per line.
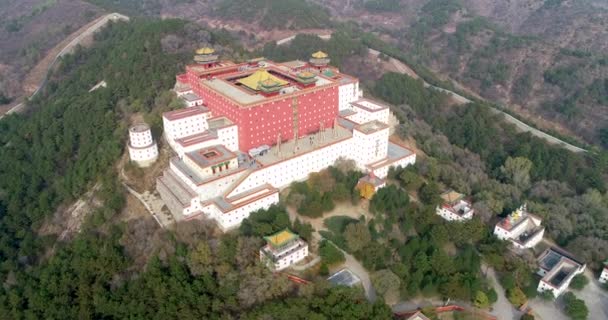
229,137
347,93
185,127
143,154
234,218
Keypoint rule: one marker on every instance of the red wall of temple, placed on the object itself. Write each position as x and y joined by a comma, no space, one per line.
261,124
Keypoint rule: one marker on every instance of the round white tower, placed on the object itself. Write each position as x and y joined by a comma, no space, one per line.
142,147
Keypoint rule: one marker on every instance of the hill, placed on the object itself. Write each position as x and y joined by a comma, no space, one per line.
544,60
29,29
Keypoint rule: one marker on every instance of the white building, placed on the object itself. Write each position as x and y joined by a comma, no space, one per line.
191,99
604,276
523,229
211,178
282,250
557,268
142,147
455,207
185,122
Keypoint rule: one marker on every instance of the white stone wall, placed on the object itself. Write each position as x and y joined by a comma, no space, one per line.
208,171
448,215
234,218
205,144
502,234
193,103
364,115
604,276
531,243
140,139
369,148
347,93
185,127
291,259
285,172
544,286
144,155
229,137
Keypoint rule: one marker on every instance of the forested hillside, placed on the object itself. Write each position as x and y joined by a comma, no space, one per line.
271,14
71,141
544,60
28,30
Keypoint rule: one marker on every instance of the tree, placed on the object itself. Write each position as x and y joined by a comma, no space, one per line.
330,254
200,259
527,316
516,296
579,282
385,282
429,193
357,236
575,308
481,300
517,171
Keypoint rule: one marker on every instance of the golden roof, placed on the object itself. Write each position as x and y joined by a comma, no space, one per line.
306,74
319,55
451,196
205,50
259,77
280,238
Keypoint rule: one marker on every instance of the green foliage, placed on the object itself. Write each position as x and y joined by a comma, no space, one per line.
381,5
575,308
481,300
579,282
385,282
430,194
527,316
389,200
563,77
341,46
357,236
4,99
330,255
262,222
271,14
516,296
337,224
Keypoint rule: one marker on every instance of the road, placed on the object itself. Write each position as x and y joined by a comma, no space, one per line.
67,49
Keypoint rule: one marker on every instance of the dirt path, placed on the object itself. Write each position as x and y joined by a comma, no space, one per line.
341,209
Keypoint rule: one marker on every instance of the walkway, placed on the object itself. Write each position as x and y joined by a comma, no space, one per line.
350,262
503,309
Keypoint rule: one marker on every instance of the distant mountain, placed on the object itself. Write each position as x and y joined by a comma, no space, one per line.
28,30
545,60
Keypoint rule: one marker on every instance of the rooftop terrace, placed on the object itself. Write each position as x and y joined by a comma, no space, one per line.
210,156
305,144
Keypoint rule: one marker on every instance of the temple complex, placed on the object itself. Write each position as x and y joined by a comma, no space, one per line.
262,125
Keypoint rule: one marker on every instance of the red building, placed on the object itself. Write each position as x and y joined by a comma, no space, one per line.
267,99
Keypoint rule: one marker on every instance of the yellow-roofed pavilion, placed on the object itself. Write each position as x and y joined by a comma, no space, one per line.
319,55
260,78
281,238
205,50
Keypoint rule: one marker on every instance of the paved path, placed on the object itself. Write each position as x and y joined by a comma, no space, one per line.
67,49
503,309
145,203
